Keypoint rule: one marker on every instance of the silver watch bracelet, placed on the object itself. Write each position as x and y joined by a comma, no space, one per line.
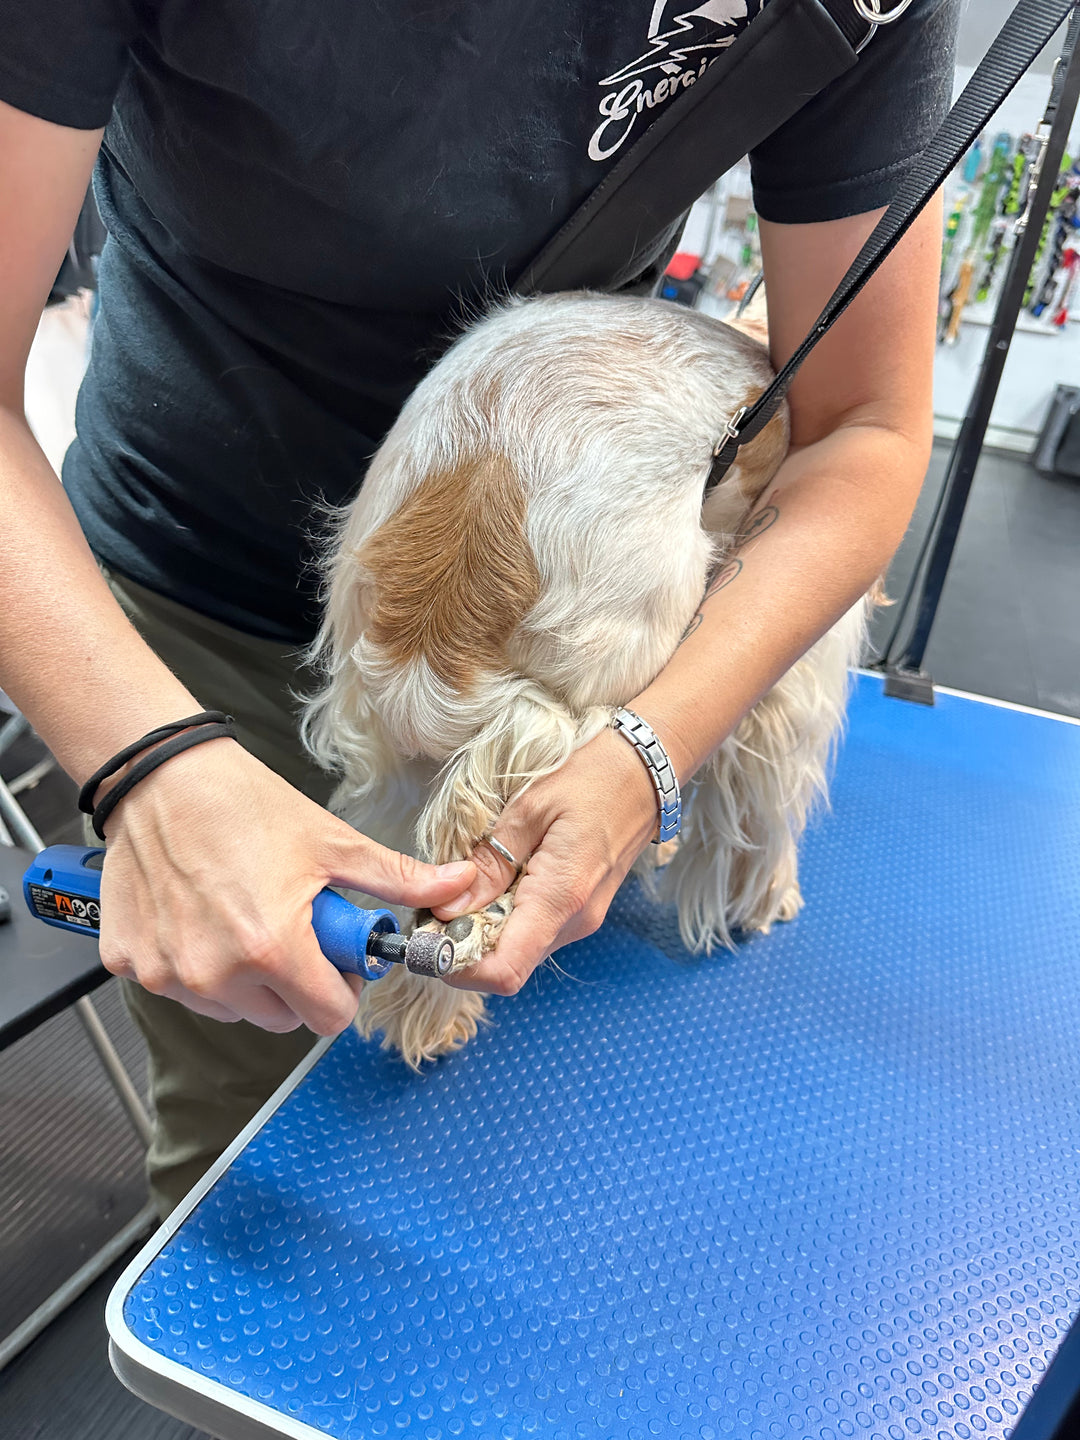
655,758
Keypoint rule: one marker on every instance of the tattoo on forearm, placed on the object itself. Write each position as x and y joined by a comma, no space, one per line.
754,525
724,576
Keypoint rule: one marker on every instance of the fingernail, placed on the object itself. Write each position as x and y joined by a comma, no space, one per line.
461,902
456,871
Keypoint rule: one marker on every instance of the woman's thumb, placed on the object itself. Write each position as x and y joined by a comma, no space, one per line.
362,864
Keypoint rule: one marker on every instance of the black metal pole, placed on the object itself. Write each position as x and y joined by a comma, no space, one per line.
905,677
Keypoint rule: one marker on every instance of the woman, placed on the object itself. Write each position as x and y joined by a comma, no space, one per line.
297,199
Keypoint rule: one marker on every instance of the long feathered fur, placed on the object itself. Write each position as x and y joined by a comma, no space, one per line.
523,557
737,866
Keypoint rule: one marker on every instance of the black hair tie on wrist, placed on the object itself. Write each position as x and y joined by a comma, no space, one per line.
178,736
161,732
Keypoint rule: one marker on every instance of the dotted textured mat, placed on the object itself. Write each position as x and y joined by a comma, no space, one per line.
827,1186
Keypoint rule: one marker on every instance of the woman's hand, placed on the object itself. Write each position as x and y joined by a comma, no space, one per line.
583,827
211,867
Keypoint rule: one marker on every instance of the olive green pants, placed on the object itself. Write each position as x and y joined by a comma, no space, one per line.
207,1079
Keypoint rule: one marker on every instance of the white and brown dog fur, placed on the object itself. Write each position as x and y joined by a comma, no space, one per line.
524,556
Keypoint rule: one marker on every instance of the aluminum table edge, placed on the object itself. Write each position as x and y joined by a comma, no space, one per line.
176,1389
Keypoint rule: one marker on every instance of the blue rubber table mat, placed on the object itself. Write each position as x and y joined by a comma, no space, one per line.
826,1186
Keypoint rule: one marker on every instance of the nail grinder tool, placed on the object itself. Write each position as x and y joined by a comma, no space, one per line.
63,888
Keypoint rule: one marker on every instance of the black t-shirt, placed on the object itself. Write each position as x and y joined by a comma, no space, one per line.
299,196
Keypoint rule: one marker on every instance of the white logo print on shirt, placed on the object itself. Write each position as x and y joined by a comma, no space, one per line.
679,50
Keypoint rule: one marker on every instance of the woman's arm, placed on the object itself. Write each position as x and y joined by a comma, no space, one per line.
63,639
213,860
862,425
861,414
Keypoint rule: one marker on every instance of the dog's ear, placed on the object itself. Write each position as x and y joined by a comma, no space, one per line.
878,595
344,732
453,572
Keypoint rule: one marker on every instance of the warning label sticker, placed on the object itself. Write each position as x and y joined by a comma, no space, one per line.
68,909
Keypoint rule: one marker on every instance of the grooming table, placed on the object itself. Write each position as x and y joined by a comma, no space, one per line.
827,1186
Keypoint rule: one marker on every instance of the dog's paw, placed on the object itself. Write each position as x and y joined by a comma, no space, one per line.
474,935
422,1018
791,904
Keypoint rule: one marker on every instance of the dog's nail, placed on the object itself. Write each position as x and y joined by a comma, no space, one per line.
461,928
455,871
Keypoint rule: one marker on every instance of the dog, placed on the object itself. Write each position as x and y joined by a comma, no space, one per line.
526,552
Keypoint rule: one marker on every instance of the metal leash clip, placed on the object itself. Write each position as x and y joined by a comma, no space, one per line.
1042,140
871,12
730,430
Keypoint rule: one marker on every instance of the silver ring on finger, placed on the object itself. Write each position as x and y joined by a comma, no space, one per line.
504,854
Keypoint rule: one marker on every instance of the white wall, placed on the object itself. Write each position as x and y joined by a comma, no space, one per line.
981,20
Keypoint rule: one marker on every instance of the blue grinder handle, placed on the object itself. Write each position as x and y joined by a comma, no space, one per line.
62,886
342,931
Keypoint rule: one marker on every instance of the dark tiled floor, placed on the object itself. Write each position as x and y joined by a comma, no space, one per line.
1008,626
70,1177
1009,620
61,1388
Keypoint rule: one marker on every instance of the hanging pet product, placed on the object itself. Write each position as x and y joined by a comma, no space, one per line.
1070,266
987,194
995,177
1060,224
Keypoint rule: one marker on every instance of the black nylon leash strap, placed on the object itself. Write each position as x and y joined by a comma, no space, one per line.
793,49
1024,34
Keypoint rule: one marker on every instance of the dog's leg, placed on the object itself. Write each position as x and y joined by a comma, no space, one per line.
737,867
418,1017
530,735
